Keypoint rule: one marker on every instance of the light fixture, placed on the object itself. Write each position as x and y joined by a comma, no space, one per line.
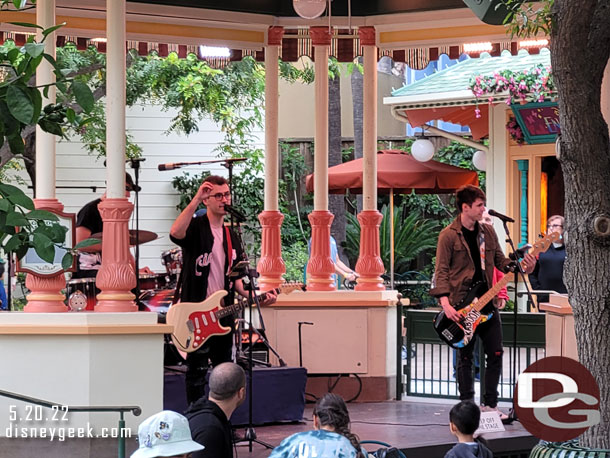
422,149
309,9
480,160
214,51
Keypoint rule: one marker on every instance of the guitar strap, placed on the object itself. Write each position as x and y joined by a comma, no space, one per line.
229,249
482,249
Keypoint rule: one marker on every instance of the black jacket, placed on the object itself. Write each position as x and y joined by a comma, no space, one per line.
469,450
210,428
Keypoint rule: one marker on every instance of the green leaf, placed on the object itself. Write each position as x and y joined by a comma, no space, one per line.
21,251
16,196
44,247
83,95
14,242
67,260
50,127
46,32
16,144
42,215
4,205
16,219
24,24
87,243
71,115
37,99
19,104
34,49
13,55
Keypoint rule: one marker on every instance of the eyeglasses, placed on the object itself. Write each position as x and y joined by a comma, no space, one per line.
220,195
555,226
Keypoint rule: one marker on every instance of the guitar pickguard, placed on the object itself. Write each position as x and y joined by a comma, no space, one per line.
204,325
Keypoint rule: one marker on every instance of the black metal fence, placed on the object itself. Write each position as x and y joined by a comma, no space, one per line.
428,364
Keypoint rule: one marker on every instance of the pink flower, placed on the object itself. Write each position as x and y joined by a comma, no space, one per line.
477,113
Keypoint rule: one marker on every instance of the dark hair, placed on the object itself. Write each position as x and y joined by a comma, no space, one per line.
332,411
1,268
226,380
465,416
216,179
467,195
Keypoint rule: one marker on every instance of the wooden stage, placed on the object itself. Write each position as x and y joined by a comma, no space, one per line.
418,427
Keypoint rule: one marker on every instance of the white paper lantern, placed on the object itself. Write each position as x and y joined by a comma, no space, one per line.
309,9
422,150
480,160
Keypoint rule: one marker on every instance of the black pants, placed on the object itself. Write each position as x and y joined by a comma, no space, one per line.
490,334
216,350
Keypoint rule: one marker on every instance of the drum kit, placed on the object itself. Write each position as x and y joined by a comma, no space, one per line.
156,290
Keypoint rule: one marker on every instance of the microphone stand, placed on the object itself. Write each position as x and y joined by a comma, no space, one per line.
250,433
135,165
512,416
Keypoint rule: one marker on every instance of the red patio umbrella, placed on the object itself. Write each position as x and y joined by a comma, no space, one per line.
397,172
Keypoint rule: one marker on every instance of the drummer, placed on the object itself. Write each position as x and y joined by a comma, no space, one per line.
88,222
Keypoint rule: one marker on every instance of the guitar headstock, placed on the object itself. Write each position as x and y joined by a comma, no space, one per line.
544,243
288,287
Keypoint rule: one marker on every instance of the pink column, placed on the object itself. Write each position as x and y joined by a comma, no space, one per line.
45,292
116,277
369,265
271,265
320,266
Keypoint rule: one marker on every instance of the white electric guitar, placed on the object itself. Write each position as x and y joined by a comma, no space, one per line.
195,322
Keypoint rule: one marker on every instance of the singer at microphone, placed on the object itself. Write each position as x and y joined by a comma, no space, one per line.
505,218
211,252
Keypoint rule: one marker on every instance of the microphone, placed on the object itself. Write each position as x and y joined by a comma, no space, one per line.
169,166
235,213
506,219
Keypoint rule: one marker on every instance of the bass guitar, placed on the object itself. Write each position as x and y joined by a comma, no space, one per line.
195,322
459,334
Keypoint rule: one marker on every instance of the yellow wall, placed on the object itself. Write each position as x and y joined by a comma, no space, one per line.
297,111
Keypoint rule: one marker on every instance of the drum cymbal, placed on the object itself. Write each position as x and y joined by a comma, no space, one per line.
144,236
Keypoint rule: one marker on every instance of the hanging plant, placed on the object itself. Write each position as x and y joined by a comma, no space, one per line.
514,130
533,85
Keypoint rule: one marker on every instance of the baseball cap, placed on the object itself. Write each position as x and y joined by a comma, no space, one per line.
130,185
166,433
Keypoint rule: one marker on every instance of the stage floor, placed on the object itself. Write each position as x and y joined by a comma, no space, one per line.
417,427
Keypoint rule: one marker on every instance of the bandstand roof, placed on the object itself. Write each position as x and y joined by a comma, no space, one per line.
411,31
445,95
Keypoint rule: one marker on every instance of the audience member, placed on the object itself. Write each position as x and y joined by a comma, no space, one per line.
332,436
341,269
209,418
165,434
548,273
3,300
464,420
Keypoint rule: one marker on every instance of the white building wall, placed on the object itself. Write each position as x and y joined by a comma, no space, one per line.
158,199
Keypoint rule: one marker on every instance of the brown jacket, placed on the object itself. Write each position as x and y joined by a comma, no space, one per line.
454,265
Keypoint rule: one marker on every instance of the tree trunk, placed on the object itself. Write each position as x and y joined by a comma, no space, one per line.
580,48
357,108
336,202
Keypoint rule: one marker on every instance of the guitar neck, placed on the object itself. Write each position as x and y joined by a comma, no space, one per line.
540,246
239,306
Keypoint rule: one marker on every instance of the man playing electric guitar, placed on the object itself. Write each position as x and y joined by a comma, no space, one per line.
209,251
466,254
